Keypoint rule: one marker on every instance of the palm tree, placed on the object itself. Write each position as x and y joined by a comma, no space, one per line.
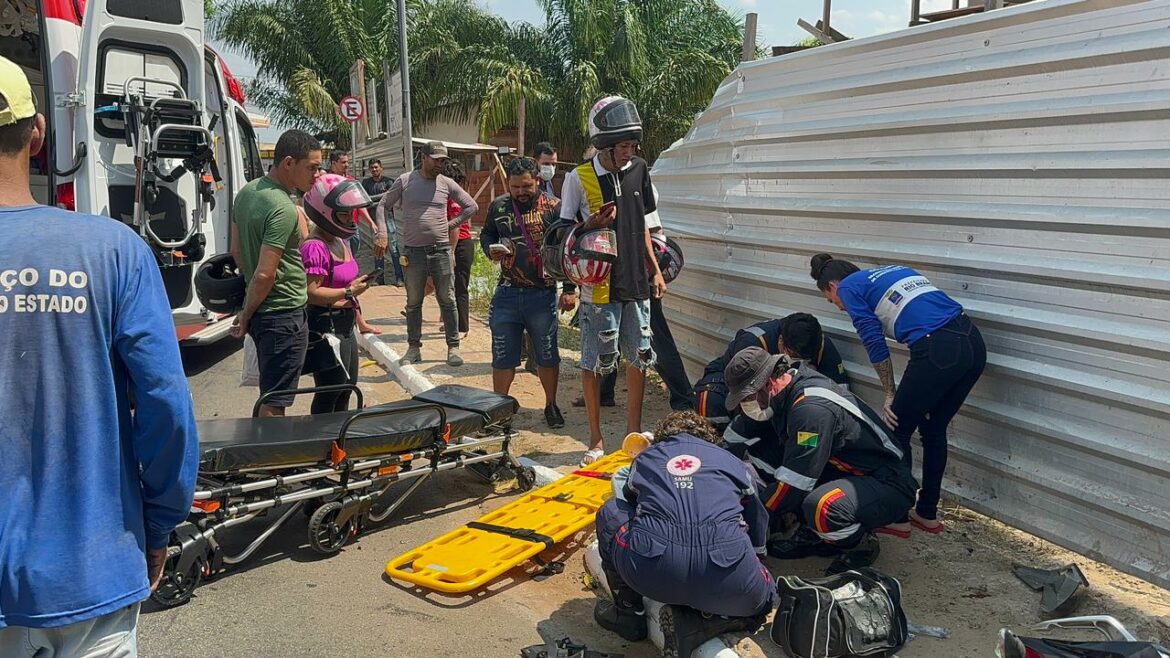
305,48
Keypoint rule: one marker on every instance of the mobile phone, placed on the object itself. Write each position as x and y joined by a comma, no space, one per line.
499,248
607,207
373,275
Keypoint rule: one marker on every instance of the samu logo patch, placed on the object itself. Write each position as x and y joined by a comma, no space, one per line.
683,465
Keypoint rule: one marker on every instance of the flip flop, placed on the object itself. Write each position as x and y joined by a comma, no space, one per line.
932,526
591,456
900,530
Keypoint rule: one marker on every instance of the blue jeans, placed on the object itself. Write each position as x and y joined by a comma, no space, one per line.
607,327
515,310
433,263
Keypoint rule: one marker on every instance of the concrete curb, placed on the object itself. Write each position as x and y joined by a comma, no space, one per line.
410,379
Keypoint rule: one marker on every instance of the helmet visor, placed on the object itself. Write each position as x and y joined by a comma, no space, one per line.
618,115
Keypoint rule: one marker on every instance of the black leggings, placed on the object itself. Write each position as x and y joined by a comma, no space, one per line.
338,322
464,258
943,368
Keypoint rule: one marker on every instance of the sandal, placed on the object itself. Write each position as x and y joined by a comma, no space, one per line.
900,529
591,456
932,526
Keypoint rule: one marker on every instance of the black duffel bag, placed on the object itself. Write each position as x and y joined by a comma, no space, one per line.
847,615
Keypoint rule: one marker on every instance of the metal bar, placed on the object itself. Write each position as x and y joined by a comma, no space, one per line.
827,11
236,559
404,68
378,518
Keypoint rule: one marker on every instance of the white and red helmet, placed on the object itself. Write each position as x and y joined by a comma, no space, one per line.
612,120
588,256
331,193
669,255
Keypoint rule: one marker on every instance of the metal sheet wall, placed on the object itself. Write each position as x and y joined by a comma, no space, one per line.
1020,160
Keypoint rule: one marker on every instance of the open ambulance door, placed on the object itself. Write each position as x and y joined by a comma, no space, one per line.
143,116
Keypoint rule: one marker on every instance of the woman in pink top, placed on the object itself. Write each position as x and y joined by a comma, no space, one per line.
334,285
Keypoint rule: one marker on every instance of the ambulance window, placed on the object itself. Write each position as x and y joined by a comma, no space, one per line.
249,149
119,62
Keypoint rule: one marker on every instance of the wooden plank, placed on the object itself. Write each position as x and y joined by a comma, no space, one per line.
824,38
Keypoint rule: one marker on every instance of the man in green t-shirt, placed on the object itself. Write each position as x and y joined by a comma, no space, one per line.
266,244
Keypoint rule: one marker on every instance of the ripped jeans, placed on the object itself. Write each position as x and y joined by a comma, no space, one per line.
516,311
607,327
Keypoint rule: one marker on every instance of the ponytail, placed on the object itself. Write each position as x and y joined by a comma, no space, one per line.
824,269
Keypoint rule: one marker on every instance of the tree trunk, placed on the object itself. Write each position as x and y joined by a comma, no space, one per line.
520,116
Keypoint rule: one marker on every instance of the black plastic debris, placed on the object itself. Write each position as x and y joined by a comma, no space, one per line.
1057,586
564,648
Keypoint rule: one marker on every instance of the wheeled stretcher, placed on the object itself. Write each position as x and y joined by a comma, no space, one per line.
333,468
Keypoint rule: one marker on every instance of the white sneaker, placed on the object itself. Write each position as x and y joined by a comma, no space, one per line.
453,358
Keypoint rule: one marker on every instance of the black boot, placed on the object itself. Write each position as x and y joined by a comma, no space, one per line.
685,629
626,622
863,554
803,543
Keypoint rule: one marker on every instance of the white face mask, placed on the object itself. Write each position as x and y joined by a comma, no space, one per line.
751,409
547,172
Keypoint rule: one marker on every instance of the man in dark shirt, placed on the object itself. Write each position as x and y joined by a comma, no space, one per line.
525,299
384,240
613,190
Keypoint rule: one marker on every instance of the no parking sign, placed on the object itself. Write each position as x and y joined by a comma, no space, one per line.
351,108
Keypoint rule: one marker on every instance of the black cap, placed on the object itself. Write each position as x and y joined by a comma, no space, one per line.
435,149
746,374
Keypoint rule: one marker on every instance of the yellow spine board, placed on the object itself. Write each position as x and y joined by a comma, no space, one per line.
592,187
467,559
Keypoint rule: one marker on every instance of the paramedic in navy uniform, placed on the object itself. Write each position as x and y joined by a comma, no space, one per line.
684,528
92,487
947,356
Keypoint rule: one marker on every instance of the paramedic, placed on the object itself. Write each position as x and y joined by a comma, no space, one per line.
92,488
685,528
837,466
616,312
525,301
798,335
266,243
947,356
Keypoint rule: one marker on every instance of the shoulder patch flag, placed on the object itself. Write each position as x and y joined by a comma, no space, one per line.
808,439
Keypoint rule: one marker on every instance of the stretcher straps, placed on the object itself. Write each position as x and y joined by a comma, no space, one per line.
517,533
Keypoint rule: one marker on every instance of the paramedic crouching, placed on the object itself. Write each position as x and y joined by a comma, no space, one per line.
685,529
837,467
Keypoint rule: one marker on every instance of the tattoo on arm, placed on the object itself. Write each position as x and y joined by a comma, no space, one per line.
885,373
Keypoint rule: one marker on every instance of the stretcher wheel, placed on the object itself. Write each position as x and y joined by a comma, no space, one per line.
177,588
325,536
525,478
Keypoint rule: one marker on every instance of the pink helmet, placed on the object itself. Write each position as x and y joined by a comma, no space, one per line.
331,193
589,255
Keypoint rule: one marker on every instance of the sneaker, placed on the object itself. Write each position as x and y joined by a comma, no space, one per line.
553,416
453,358
803,543
864,554
686,629
413,355
626,622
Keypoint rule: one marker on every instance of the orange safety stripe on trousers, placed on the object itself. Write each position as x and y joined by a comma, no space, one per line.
822,515
703,404
776,497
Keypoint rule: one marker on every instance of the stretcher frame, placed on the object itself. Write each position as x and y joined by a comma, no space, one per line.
336,493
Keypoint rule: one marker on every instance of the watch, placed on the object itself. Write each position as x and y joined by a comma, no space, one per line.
349,295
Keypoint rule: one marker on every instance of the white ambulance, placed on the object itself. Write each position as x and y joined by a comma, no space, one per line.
146,125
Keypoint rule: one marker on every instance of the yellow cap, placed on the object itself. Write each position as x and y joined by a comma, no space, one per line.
16,92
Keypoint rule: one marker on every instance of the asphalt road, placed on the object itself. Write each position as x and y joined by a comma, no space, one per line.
286,600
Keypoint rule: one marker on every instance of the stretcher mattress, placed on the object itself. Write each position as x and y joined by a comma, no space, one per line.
235,444
493,407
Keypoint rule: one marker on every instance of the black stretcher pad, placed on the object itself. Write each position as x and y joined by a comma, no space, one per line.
234,444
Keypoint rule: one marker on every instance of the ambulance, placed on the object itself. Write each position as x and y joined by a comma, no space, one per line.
146,125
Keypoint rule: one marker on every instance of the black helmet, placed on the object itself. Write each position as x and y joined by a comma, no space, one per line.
219,284
552,249
612,120
669,255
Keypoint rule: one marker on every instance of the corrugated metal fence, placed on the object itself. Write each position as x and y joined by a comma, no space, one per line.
1021,160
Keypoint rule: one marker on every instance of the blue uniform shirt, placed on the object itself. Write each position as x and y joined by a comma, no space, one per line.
88,485
894,301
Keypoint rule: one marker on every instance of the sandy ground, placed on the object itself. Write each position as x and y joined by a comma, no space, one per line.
285,601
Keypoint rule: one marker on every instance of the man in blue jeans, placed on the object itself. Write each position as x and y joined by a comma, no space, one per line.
613,190
525,299
428,238
385,236
93,485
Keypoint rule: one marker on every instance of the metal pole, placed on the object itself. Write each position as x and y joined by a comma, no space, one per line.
404,67
353,148
749,38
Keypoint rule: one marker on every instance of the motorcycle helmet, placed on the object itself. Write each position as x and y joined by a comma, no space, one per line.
552,249
669,255
329,194
219,285
588,256
614,119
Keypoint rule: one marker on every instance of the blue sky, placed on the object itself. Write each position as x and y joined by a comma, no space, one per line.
776,25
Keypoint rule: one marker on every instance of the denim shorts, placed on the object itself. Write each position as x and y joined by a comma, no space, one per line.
515,310
607,327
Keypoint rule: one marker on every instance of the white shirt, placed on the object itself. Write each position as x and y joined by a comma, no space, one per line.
574,203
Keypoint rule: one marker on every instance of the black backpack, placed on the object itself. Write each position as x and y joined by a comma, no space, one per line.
847,615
